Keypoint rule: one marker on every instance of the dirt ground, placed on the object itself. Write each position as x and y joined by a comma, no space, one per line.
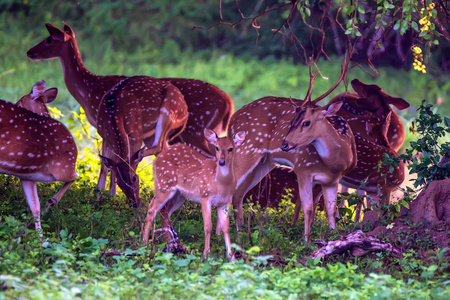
424,227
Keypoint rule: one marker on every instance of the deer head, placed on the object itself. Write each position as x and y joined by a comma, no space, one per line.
224,149
37,99
308,126
54,45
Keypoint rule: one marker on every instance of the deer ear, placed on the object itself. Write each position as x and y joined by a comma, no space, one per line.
239,138
50,95
109,163
332,109
38,89
210,136
398,102
138,156
68,29
364,90
56,33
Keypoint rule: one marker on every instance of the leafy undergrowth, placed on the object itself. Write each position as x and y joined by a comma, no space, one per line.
70,261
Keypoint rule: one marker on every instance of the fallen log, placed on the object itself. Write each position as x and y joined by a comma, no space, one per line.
357,243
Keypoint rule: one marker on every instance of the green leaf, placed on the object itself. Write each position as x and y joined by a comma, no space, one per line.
405,204
447,121
350,10
308,11
397,25
361,9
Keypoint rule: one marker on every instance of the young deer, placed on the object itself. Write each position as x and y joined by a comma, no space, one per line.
334,142
36,148
208,106
183,173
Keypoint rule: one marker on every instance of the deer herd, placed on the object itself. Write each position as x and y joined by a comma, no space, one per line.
293,144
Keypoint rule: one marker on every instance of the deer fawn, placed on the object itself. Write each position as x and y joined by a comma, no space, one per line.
182,172
112,96
36,148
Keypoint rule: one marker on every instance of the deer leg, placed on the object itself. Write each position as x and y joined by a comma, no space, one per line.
55,200
30,190
166,211
101,184
163,127
250,179
206,213
307,202
224,222
359,206
104,170
329,195
154,207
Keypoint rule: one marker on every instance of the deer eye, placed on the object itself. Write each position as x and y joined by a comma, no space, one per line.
49,40
306,123
217,148
230,150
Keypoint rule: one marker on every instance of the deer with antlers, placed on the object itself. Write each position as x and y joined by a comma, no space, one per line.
154,107
182,172
35,147
377,130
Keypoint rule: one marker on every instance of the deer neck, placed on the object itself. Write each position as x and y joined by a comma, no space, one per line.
333,150
225,178
80,82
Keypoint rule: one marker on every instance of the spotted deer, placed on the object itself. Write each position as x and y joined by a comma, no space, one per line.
36,148
378,130
267,121
105,97
184,173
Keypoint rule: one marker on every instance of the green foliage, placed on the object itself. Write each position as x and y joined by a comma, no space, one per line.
73,267
426,153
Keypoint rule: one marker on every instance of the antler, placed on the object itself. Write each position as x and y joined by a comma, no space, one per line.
344,70
312,78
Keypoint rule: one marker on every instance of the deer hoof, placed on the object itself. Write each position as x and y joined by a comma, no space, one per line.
51,202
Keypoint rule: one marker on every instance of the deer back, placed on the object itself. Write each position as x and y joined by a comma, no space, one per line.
180,166
208,107
267,121
35,147
132,108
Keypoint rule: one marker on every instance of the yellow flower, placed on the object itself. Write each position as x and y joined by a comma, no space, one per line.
417,50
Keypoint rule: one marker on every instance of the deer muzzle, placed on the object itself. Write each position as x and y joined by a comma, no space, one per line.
286,146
